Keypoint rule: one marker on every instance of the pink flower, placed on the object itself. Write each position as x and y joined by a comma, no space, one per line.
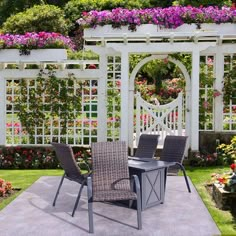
216,93
205,104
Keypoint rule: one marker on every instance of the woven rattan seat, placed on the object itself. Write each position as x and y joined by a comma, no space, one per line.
110,179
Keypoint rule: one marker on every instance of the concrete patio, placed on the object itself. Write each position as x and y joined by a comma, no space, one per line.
32,213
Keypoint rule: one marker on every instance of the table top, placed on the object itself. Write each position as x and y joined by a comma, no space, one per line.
147,164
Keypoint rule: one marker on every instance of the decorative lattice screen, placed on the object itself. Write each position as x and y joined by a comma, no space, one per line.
206,93
113,97
70,115
229,109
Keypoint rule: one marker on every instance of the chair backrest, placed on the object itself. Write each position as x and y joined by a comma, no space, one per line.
109,164
67,161
174,148
147,145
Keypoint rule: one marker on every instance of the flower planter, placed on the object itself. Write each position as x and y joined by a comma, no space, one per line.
224,200
11,55
155,30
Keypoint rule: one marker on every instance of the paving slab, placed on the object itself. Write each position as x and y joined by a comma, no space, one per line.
32,213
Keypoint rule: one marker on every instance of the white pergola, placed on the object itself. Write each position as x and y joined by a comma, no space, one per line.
114,47
211,39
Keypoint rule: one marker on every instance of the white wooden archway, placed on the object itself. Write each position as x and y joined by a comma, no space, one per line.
131,91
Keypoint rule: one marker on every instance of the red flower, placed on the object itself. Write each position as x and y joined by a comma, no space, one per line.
92,66
222,180
233,166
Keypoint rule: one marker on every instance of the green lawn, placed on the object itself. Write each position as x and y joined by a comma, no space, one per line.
23,179
199,176
224,219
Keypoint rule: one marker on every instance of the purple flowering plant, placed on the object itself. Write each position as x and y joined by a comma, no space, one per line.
32,40
171,17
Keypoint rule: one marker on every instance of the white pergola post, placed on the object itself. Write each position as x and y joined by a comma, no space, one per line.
3,110
219,74
102,99
124,96
194,108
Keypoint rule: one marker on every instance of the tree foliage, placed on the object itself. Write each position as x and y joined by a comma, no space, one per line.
197,3
12,7
36,19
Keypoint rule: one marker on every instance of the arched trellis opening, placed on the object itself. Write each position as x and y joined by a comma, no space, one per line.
185,106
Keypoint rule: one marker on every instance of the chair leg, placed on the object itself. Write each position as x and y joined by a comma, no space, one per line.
58,190
139,210
90,204
132,188
185,176
78,198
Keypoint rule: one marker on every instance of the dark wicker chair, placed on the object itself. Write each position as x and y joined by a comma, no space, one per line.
147,146
110,180
72,172
173,151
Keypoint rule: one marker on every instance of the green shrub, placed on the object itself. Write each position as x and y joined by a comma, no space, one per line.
38,18
228,151
82,55
197,3
8,8
205,159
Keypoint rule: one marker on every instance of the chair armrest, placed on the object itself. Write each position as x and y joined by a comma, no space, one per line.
117,181
89,188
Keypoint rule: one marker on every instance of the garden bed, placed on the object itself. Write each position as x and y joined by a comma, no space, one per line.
11,193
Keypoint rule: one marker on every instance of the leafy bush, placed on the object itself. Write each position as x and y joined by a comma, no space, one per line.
228,151
8,8
197,3
225,155
39,158
27,158
47,18
205,159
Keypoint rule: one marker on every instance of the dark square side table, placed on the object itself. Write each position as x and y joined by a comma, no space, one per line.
152,175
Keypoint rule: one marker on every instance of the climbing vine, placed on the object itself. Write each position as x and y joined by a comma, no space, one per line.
48,98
